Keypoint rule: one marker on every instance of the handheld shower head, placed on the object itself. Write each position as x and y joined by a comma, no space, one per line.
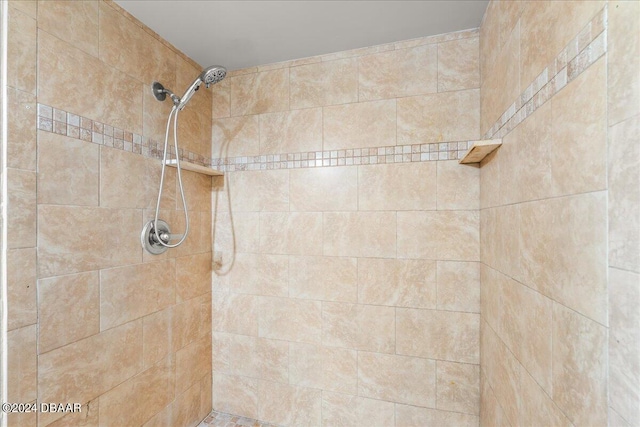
209,76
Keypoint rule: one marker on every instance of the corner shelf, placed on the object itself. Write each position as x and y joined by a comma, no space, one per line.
194,168
479,150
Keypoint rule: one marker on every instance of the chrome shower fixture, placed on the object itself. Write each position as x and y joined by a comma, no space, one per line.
209,76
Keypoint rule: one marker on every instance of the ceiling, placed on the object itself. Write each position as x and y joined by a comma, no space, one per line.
239,34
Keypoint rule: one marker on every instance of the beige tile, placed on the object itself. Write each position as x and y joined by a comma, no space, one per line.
164,418
325,368
193,276
221,97
259,191
21,51
197,189
324,189
507,246
295,233
458,286
186,408
445,235
491,413
579,367
459,65
21,208
67,79
220,347
127,293
365,124
258,358
323,278
579,115
258,93
439,117
28,7
22,361
458,186
199,238
405,283
397,187
156,336
348,410
256,274
536,407
68,309
458,387
237,314
21,288
413,416
442,335
190,321
236,136
21,130
324,83
398,379
205,396
351,234
290,319
398,73
359,327
192,362
81,371
139,398
74,22
623,61
616,420
574,272
624,195
501,18
66,164
87,417
236,232
235,395
291,131
284,404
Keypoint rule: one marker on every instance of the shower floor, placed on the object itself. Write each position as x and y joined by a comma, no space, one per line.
220,419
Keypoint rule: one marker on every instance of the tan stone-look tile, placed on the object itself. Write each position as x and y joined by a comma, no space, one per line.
490,184
235,313
359,327
623,61
352,234
205,396
139,398
193,276
458,387
324,189
130,292
459,65
324,83
197,189
624,195
261,358
361,125
321,367
414,416
68,171
398,73
439,117
397,187
80,19
221,99
28,7
185,409
235,136
21,130
404,283
295,233
256,274
290,319
156,336
291,132
443,235
68,309
349,410
259,191
398,379
21,208
235,395
67,79
458,186
21,288
199,238
323,278
192,362
236,232
164,418
498,24
81,371
258,93
579,132
458,286
491,413
284,404
21,50
442,335
191,320
536,407
22,361
579,367
87,417
574,272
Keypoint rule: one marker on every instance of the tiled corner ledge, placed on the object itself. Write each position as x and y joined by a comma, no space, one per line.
585,49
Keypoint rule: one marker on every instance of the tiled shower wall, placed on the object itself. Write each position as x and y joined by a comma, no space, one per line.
93,319
346,278
559,213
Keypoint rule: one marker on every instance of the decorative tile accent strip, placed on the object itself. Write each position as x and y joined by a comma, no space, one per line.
585,49
220,419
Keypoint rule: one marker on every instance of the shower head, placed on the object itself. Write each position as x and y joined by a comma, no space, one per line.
209,76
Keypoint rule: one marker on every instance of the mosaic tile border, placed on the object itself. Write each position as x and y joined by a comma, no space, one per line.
585,49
